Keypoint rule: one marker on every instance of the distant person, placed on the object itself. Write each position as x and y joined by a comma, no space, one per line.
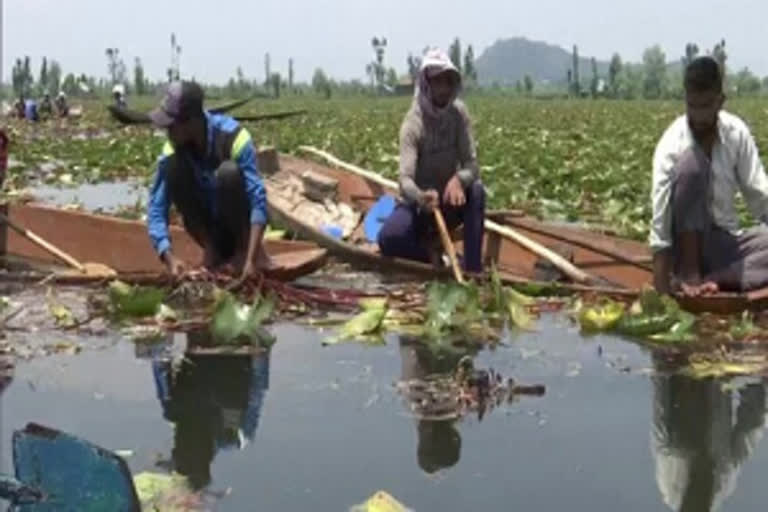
209,171
438,169
118,95
20,108
30,111
62,108
46,106
701,161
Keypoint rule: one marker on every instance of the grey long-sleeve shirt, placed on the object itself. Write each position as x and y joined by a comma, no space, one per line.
433,150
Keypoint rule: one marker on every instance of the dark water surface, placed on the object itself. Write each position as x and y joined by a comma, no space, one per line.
313,428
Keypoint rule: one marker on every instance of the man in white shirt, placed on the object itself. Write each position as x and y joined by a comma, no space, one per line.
703,159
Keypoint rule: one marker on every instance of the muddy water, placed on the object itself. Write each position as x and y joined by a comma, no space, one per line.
312,428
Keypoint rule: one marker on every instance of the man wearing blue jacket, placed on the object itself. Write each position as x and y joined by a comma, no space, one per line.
208,170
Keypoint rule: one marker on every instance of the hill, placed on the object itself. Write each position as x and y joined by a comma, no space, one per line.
509,60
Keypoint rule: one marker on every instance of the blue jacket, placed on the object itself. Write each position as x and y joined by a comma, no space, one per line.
242,152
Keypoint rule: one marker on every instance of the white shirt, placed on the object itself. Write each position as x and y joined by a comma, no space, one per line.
736,167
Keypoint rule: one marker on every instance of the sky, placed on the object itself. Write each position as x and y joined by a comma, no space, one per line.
217,36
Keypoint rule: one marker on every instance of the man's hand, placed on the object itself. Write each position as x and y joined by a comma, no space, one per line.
430,200
454,193
175,266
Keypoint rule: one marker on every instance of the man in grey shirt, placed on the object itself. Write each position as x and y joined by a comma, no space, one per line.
438,169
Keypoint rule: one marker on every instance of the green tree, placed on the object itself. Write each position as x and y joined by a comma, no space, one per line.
69,86
54,76
655,68
470,71
691,52
528,83
414,65
29,80
43,80
595,83
275,82
747,83
290,74
376,69
392,77
613,74
115,66
575,84
321,84
455,54
267,69
17,78
720,55
139,82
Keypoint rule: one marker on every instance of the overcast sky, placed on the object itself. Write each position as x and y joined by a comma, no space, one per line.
218,35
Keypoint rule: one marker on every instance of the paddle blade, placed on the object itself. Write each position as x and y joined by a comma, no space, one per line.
377,216
72,473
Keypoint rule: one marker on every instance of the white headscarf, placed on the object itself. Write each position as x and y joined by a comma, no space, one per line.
434,62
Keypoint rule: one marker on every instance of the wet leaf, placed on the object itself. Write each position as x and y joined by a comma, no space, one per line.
681,332
602,317
745,328
135,301
381,502
366,323
704,367
167,493
166,314
519,316
61,314
236,323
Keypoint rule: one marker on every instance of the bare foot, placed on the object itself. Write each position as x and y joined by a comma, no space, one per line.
700,289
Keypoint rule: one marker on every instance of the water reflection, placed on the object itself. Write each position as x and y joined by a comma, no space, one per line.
214,402
439,441
703,432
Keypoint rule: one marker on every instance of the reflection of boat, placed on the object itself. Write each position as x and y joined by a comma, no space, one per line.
124,245
306,197
700,441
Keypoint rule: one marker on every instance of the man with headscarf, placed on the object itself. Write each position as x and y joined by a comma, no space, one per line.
438,169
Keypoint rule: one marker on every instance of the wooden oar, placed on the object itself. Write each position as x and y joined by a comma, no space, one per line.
565,266
88,268
448,245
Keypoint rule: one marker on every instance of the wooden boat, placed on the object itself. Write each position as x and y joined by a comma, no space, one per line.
618,266
123,244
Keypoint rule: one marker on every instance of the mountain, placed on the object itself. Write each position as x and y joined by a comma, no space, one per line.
509,60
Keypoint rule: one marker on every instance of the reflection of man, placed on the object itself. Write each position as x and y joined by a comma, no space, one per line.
439,443
215,403
699,443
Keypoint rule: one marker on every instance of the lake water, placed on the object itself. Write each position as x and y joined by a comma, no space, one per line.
322,428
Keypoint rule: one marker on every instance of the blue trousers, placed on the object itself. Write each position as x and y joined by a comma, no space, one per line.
408,232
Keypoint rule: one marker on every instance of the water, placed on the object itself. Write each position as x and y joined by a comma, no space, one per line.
106,197
325,427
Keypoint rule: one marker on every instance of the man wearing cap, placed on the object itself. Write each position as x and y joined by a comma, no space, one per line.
209,172
438,169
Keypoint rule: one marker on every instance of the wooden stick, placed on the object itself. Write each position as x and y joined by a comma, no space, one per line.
66,258
448,245
558,261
